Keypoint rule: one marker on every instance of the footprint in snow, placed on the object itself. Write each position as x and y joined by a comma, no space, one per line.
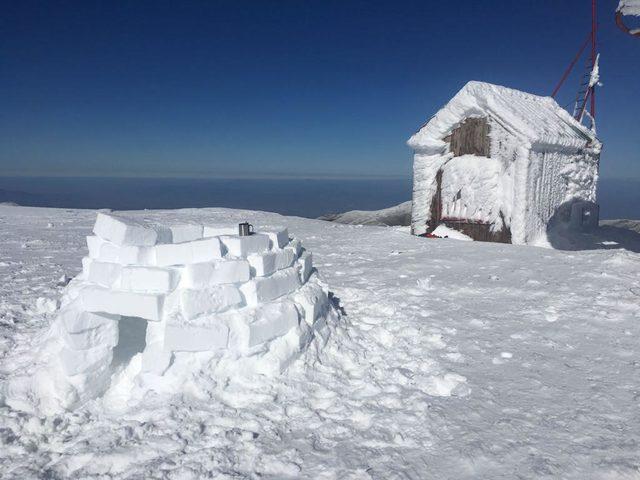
503,357
551,315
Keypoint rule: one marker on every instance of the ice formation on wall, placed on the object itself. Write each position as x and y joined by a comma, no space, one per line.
629,7
151,295
539,159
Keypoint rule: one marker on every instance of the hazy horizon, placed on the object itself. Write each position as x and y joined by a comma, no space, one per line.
306,197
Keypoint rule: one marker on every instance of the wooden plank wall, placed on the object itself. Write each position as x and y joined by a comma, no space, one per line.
480,232
471,138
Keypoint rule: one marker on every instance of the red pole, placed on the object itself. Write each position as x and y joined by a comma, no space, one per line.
594,27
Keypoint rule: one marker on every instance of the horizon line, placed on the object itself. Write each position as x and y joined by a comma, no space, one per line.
213,177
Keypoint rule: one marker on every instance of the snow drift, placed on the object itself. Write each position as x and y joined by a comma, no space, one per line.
454,360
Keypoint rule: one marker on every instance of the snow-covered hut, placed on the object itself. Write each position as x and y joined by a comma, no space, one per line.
500,165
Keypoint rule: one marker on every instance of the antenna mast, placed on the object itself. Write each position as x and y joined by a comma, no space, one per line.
586,95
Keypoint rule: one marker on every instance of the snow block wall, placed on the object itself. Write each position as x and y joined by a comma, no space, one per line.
152,292
499,164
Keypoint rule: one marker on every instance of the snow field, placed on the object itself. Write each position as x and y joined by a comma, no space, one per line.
412,381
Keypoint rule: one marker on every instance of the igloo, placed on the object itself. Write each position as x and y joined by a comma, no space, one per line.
153,292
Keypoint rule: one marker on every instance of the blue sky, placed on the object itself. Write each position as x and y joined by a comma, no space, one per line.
316,88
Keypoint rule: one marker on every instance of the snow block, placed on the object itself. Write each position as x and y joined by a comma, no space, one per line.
243,246
284,259
279,238
210,300
124,231
74,362
272,320
105,335
75,320
124,255
197,251
196,339
94,244
306,266
86,262
203,275
313,301
265,289
264,264
136,255
155,332
155,359
206,250
148,279
144,305
186,233
295,246
103,273
217,231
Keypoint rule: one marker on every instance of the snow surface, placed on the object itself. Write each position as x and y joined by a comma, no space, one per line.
443,231
629,7
452,360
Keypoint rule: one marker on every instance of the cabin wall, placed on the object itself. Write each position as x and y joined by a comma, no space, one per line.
471,137
556,179
545,191
481,232
472,189
469,186
425,170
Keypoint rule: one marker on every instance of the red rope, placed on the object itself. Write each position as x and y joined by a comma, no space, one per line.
571,65
594,28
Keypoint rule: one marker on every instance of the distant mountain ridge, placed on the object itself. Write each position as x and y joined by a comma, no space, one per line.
398,215
17,197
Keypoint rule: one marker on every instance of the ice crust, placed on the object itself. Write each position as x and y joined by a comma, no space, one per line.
629,7
541,159
156,291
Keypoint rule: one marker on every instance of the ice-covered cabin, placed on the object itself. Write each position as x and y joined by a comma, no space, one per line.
501,165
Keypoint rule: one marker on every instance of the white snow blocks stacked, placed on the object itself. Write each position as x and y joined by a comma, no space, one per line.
199,288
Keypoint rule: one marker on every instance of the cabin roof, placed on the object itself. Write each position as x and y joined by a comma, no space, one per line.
532,118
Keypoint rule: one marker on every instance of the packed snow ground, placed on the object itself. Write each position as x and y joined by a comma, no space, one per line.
451,360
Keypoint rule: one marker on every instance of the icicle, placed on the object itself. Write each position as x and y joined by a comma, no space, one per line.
592,120
594,78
